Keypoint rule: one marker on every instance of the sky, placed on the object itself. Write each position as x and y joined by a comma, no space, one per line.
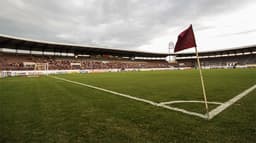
140,25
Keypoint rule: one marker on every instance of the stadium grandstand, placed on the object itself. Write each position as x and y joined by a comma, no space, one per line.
241,57
19,54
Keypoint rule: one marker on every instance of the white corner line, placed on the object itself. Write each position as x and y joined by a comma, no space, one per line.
184,111
108,91
189,101
135,98
228,103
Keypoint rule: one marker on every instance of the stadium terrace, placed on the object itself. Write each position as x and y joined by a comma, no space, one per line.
25,54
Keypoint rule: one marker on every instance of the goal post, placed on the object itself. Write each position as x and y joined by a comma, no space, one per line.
41,66
40,69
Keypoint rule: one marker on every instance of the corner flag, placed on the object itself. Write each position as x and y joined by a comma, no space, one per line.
186,39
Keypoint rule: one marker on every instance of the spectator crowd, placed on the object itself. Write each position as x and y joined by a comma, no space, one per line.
16,62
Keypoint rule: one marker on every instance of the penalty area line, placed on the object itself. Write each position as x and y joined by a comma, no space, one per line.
134,98
230,102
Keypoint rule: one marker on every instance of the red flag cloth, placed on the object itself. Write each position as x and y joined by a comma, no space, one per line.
186,39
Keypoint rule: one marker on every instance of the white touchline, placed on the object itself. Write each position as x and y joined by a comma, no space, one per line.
135,98
212,113
225,105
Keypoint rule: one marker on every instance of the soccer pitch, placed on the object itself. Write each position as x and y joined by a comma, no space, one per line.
62,108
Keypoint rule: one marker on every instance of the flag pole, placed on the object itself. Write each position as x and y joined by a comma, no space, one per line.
202,82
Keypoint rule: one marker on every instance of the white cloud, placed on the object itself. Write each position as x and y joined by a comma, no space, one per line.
147,25
230,30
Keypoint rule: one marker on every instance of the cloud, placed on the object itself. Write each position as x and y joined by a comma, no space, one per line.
237,33
116,23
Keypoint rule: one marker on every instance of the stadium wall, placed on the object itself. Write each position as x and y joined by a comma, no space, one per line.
53,72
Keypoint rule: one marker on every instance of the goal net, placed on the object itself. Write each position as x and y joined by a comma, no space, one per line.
38,69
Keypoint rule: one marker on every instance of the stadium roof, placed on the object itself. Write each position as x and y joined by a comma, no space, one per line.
11,42
244,49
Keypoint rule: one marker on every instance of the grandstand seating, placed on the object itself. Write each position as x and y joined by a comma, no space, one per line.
228,61
11,61
16,62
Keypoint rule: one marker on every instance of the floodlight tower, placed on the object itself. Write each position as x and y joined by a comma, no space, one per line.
170,46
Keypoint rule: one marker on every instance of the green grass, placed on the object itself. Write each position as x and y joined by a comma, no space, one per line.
48,110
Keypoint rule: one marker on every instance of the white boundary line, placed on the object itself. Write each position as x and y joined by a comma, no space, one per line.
184,111
188,101
135,98
108,91
212,113
228,103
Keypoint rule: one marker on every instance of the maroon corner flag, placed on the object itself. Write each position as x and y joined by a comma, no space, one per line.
186,39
